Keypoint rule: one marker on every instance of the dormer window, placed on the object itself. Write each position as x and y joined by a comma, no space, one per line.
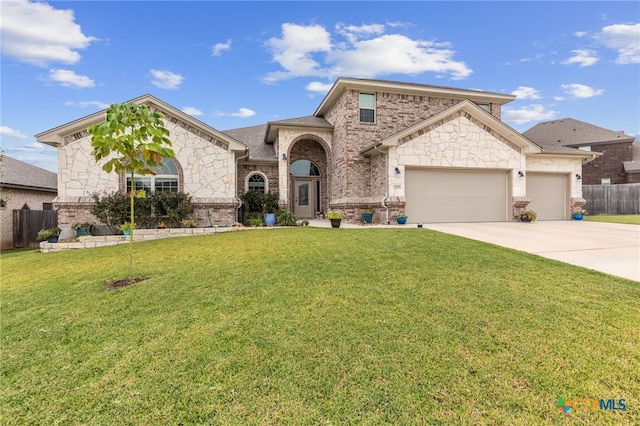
367,108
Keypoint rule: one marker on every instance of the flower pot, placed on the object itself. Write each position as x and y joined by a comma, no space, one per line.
53,239
335,223
126,233
525,219
578,216
401,220
270,219
367,217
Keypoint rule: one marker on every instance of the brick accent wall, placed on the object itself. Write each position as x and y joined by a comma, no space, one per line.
16,199
269,170
608,165
312,150
352,175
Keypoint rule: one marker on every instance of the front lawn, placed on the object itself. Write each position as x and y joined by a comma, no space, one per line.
631,219
309,326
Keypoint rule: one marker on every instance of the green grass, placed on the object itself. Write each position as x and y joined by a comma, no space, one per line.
312,326
631,219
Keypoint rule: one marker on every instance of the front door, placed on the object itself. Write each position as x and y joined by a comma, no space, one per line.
303,206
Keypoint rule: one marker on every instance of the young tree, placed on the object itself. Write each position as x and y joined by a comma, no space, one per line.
133,139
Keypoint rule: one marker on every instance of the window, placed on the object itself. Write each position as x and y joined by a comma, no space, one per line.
256,183
584,148
367,108
165,179
605,181
486,107
303,168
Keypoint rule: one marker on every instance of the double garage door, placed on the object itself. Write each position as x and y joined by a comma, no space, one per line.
438,195
435,195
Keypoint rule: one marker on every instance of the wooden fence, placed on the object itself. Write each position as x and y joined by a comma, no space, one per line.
612,199
27,224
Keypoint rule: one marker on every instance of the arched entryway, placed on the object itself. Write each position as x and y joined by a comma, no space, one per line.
308,178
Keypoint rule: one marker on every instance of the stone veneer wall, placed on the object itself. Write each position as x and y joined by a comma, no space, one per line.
207,167
608,165
351,184
16,199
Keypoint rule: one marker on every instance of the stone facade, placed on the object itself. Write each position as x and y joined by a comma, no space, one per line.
609,165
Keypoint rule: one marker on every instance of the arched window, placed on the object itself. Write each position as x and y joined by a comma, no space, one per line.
257,183
304,168
165,179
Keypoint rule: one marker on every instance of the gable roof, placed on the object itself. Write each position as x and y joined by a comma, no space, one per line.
20,175
253,138
474,111
342,84
568,133
77,129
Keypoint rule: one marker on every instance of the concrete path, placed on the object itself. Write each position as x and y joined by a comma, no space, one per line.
607,247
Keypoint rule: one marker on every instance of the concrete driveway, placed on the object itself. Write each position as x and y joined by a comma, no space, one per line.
607,247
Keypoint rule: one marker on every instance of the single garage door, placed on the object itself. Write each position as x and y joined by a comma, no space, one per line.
456,195
548,195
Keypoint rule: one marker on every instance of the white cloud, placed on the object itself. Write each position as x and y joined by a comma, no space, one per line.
243,113
625,38
33,148
6,131
581,91
85,104
524,92
166,79
68,78
582,57
526,114
305,51
218,48
38,34
318,87
192,111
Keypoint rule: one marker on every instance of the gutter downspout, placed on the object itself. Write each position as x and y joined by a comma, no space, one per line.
386,194
235,184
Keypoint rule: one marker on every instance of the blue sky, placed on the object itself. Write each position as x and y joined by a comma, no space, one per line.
238,64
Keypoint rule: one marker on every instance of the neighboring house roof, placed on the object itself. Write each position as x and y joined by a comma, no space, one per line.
78,129
567,133
20,175
343,84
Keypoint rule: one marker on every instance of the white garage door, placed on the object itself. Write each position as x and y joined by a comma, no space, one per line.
456,195
548,195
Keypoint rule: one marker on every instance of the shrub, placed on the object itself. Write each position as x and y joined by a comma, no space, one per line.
257,202
286,218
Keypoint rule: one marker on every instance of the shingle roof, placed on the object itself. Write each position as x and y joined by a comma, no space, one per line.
566,133
18,174
253,138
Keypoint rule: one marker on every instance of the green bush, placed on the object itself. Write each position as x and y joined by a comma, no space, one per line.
113,209
286,218
257,202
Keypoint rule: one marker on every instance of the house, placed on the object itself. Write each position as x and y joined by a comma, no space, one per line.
439,154
620,159
22,186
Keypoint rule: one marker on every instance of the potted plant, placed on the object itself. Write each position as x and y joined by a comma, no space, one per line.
82,228
579,214
401,219
527,216
269,212
189,223
367,216
127,227
335,217
50,235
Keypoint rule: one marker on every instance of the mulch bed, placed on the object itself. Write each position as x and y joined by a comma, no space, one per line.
125,282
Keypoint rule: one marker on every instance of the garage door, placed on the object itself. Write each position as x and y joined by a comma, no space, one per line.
548,195
456,196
